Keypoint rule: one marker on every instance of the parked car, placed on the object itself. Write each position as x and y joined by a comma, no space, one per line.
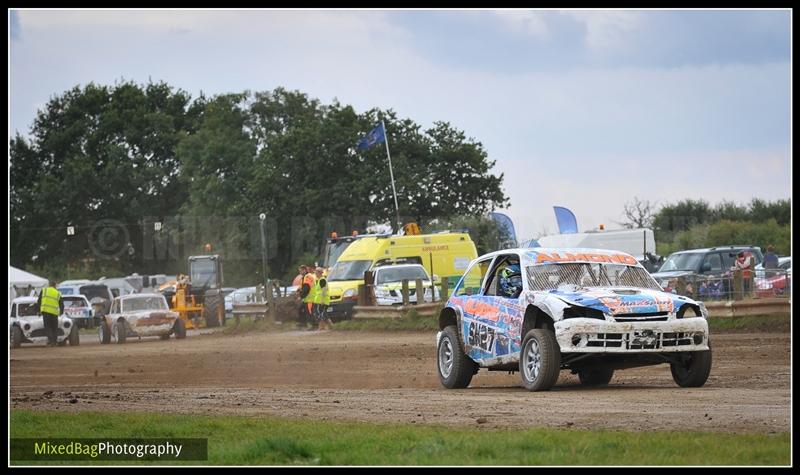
712,261
118,286
592,311
99,295
774,282
784,265
389,283
25,325
78,308
140,315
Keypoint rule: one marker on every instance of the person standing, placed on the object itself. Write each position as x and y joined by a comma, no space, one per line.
307,296
770,261
321,300
298,279
50,306
302,319
743,264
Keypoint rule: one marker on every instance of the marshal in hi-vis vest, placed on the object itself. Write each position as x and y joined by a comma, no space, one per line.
50,298
321,293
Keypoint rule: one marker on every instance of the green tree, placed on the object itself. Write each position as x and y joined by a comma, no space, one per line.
97,153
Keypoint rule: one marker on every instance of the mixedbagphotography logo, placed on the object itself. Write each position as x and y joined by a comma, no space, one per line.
158,449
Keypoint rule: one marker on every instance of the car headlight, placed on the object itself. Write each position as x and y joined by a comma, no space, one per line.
381,292
350,294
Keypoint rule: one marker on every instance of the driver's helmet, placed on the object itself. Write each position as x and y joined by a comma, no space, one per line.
511,280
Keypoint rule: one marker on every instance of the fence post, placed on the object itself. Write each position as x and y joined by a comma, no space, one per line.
420,291
445,289
404,292
738,285
270,299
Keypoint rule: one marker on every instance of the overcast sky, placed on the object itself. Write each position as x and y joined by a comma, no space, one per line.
583,109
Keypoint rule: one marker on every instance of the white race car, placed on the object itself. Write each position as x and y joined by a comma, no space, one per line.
389,284
25,325
592,311
139,315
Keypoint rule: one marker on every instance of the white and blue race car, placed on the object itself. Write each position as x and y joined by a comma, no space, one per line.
592,311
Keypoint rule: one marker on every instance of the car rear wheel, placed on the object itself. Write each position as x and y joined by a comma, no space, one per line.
595,376
539,360
455,369
74,336
692,369
16,337
104,333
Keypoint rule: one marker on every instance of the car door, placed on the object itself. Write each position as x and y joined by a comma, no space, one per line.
497,332
469,299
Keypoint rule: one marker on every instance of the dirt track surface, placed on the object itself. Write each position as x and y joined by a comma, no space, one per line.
391,377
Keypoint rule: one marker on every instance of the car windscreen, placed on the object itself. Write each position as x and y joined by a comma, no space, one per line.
92,291
349,270
137,304
682,261
398,274
27,309
66,290
70,302
553,276
244,295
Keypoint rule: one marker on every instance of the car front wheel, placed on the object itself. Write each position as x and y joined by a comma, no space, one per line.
104,333
179,328
455,369
539,360
16,337
692,369
122,332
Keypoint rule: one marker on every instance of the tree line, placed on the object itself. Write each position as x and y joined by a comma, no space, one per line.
112,161
695,223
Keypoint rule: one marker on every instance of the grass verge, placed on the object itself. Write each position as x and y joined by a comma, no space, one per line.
755,323
241,440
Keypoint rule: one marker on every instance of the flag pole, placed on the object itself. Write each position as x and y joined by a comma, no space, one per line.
391,174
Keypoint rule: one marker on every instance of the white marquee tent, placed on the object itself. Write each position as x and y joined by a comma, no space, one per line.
22,283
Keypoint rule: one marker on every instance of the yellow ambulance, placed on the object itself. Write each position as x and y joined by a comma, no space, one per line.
445,254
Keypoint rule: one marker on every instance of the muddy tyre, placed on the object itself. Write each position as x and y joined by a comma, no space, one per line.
211,307
122,332
16,337
179,329
595,376
693,369
455,369
539,360
75,336
104,333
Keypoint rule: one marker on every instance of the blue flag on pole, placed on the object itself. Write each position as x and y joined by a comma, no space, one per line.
377,135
